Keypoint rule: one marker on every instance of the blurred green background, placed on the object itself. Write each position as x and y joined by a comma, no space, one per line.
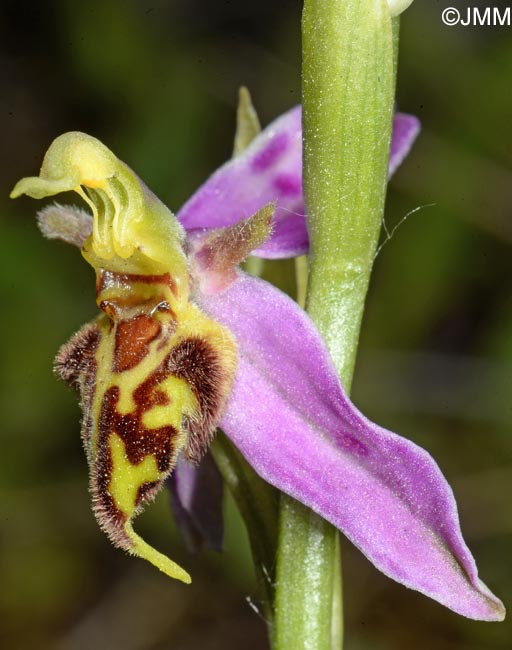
157,81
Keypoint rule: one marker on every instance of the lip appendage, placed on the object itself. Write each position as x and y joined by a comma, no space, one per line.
153,371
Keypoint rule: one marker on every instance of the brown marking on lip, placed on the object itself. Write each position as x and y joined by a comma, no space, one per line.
76,364
110,518
193,360
197,362
132,340
139,442
75,357
147,492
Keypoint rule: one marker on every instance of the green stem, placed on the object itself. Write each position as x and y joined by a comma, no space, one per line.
305,579
348,90
337,598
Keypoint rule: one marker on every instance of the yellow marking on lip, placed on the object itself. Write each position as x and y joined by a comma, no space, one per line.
124,486
182,402
127,478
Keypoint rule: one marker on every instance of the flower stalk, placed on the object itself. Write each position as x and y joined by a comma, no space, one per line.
348,93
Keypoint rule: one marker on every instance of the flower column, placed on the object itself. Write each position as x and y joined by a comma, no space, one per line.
348,93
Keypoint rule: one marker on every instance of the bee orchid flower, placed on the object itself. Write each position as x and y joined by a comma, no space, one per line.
186,341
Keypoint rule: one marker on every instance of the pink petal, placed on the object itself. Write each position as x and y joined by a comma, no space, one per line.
290,417
270,169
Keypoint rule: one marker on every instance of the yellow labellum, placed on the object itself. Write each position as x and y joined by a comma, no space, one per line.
153,371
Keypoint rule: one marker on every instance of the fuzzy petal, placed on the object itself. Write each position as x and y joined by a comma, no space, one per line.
196,501
290,417
270,169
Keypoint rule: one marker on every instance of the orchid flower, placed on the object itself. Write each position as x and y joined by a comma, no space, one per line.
187,341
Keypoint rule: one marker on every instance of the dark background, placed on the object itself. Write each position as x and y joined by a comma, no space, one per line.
157,82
